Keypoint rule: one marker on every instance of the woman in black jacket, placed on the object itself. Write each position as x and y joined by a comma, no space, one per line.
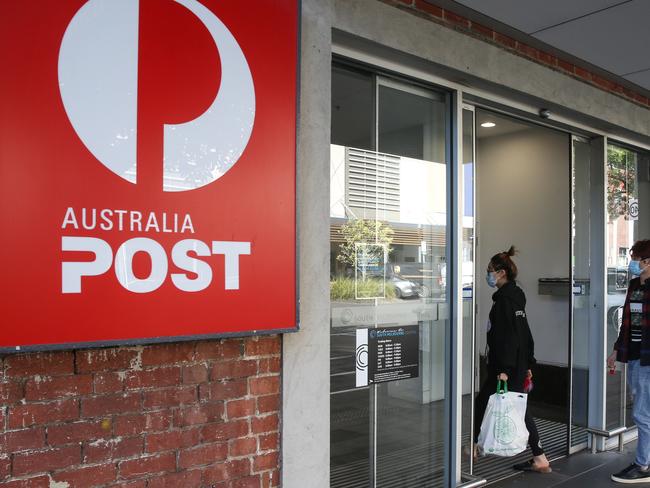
511,349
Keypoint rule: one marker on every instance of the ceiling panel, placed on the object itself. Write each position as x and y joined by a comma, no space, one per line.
642,78
503,125
532,15
616,39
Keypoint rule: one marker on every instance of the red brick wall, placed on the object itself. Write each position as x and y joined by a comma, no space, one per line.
194,414
450,19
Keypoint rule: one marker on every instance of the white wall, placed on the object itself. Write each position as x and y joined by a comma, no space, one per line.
523,199
423,196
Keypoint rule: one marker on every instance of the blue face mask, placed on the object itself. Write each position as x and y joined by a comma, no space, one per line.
491,279
634,268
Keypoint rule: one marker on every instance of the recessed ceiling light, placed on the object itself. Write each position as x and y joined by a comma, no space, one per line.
487,125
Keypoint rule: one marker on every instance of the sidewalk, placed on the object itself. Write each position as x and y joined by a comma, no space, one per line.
580,470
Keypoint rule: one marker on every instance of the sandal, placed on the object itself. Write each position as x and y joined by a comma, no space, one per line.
531,466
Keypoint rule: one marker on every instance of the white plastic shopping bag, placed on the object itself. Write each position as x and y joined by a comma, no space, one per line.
503,431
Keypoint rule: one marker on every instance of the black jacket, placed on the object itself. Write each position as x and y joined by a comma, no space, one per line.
510,342
622,345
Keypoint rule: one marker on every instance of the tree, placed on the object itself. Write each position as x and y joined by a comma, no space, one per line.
621,181
362,231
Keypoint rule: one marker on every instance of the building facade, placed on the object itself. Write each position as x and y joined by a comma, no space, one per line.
426,143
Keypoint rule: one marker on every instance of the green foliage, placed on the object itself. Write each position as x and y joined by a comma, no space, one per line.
621,181
361,231
342,288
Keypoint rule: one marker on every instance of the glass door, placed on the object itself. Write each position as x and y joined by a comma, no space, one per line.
388,286
469,371
580,294
628,197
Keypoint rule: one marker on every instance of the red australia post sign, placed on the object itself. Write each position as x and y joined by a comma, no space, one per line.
147,169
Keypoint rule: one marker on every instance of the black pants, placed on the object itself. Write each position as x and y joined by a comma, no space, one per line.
480,404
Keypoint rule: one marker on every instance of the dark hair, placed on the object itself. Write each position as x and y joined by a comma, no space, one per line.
641,249
503,260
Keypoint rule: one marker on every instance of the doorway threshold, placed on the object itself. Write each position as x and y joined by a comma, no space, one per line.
576,471
553,436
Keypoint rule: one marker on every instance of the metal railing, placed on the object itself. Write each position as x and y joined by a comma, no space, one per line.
618,431
470,481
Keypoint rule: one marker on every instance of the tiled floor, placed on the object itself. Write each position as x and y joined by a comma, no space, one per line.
580,470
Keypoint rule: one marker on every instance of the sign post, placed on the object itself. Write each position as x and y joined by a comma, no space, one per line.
148,155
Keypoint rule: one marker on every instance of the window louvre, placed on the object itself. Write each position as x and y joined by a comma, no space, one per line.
372,180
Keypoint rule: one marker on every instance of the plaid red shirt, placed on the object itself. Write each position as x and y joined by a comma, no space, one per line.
622,344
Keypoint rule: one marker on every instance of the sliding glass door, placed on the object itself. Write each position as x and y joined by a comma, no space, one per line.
389,300
580,292
628,198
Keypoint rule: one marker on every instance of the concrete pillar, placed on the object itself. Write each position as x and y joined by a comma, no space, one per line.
305,389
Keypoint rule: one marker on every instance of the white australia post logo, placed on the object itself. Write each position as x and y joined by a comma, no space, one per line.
98,80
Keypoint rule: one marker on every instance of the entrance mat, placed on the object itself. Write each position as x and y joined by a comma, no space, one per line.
554,441
421,466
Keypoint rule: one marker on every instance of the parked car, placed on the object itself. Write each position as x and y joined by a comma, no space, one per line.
419,273
405,288
467,277
617,281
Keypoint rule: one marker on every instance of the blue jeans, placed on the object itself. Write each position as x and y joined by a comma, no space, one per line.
638,379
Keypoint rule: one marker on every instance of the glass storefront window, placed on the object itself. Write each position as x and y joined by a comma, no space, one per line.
389,172
388,240
628,193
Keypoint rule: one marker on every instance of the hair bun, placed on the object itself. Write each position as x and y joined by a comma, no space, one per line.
503,260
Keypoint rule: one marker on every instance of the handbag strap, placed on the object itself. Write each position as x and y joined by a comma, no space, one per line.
502,386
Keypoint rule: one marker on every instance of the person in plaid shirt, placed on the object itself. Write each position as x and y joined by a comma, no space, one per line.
633,347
